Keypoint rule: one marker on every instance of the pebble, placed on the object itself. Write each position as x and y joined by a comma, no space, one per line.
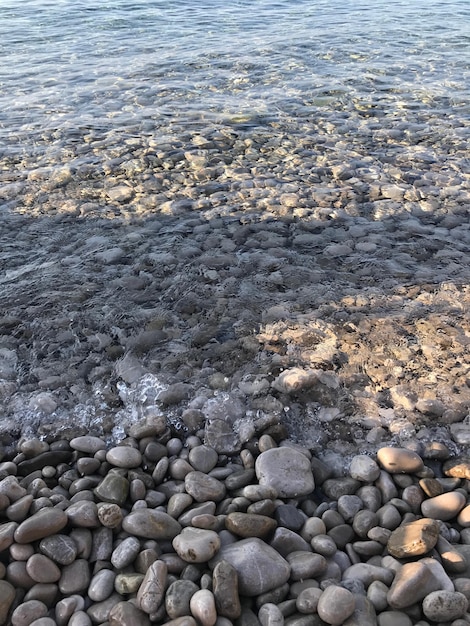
335,605
444,507
413,539
399,460
196,545
46,522
225,589
124,456
249,524
151,524
286,470
152,590
178,596
440,605
364,468
202,605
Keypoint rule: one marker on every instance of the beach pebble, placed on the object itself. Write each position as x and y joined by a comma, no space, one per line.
152,590
7,596
202,605
203,458
249,524
286,470
46,522
225,589
127,614
101,585
335,605
307,600
269,614
259,567
413,539
394,618
125,553
444,507
178,596
27,612
444,606
87,444
399,460
113,489
364,468
124,456
42,569
196,545
75,577
203,487
414,581
151,524
306,565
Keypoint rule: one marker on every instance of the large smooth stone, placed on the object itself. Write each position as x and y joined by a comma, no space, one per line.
45,522
286,470
413,539
249,524
204,488
196,545
399,460
151,524
124,456
259,567
414,581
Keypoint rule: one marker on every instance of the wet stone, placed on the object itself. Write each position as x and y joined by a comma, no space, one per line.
75,577
101,585
306,565
124,456
286,541
289,516
88,444
203,458
7,596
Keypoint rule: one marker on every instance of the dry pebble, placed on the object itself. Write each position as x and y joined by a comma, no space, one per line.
340,553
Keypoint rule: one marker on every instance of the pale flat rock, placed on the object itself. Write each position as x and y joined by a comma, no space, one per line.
399,460
414,581
364,468
286,470
335,605
151,524
124,456
196,545
444,507
445,606
202,605
259,567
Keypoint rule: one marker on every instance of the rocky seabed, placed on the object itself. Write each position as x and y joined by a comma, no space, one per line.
161,530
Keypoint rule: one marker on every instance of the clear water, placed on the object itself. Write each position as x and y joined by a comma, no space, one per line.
145,67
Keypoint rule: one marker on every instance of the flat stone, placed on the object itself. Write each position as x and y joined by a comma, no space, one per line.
101,585
413,539
286,470
225,589
414,581
83,514
306,565
444,507
444,606
124,456
259,567
368,573
152,590
151,524
203,487
88,444
46,522
178,596
335,605
399,460
42,569
196,545
249,524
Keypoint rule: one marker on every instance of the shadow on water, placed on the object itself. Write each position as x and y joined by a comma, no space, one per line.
336,324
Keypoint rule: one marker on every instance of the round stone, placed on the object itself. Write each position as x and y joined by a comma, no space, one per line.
178,597
42,569
87,444
286,470
7,596
203,458
444,606
27,612
60,548
124,456
196,545
125,553
101,585
306,565
399,460
335,605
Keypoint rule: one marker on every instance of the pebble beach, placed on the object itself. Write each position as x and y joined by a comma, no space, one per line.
234,315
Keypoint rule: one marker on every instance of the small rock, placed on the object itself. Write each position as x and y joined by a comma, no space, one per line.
364,468
444,507
249,524
335,605
413,539
46,522
286,470
151,524
178,597
152,589
444,606
225,589
399,460
196,545
124,456
203,487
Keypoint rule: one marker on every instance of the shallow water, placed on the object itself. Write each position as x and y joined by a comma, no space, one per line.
142,141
